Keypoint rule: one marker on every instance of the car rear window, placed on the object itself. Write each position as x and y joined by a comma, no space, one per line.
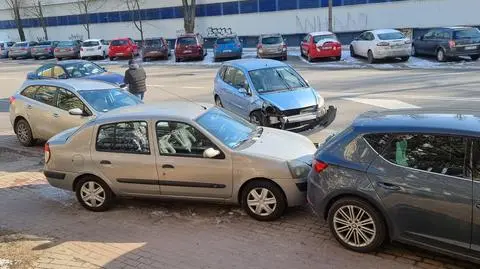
90,44
378,141
153,43
391,36
121,42
226,40
187,41
66,44
20,45
45,43
467,33
272,40
318,38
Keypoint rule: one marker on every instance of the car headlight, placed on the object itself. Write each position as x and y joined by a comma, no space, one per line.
320,100
298,169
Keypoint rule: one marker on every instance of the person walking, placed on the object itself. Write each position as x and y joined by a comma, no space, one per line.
135,78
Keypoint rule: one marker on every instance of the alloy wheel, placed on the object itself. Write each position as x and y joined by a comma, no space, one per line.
92,194
261,201
440,55
354,226
22,132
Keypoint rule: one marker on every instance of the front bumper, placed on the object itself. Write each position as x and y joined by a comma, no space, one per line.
321,117
295,190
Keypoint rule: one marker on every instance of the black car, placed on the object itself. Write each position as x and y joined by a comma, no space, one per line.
448,42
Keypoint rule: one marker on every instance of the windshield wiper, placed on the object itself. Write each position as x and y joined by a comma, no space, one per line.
254,134
283,80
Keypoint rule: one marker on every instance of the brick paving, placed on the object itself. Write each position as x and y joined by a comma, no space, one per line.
167,234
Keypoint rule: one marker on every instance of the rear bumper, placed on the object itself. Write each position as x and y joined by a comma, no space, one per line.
59,179
91,53
188,55
42,54
316,198
65,54
326,53
155,54
455,52
120,54
281,54
233,54
391,53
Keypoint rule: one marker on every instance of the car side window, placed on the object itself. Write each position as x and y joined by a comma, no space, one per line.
181,139
67,100
429,35
221,72
432,153
239,80
30,92
229,75
378,141
45,71
124,137
59,72
370,36
46,95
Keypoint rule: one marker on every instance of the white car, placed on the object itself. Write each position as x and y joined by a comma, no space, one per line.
381,44
94,48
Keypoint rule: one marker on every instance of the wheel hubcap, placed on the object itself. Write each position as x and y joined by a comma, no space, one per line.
22,132
354,226
92,194
440,55
261,201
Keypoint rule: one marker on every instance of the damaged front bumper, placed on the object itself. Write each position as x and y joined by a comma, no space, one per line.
321,117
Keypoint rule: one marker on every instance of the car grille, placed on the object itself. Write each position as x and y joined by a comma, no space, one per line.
297,111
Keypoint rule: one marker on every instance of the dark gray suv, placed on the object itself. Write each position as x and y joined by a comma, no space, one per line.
409,176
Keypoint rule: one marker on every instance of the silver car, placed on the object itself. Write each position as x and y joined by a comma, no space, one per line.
181,150
21,50
43,108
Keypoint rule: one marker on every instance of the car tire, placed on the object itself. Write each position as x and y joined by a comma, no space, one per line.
218,101
309,58
111,58
285,58
177,60
338,58
144,59
13,58
301,52
256,118
263,200
92,186
104,55
24,133
474,57
368,233
35,58
370,57
352,52
441,55
404,59
59,59
414,51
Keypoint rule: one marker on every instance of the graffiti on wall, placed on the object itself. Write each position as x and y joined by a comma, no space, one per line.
75,37
349,22
218,31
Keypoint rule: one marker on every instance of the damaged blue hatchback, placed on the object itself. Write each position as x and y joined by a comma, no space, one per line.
270,93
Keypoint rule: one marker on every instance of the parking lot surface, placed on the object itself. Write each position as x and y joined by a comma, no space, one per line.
42,227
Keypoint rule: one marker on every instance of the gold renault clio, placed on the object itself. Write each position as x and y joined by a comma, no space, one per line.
181,150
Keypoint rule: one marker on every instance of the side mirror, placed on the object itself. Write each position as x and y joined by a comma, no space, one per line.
63,76
244,91
211,153
32,75
76,112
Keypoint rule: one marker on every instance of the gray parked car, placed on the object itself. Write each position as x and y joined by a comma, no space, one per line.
180,150
410,176
5,47
68,49
21,50
155,48
44,49
43,108
272,46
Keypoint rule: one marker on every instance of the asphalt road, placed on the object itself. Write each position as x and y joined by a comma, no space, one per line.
352,91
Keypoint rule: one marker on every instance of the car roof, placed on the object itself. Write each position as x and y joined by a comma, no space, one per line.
73,61
121,38
254,64
384,31
456,28
180,110
433,120
92,39
321,33
76,84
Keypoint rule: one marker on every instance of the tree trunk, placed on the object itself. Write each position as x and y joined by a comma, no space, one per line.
18,22
330,15
189,10
42,20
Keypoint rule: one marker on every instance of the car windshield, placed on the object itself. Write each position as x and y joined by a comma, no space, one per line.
318,38
108,99
272,40
120,42
90,43
82,69
45,43
391,36
232,130
187,41
226,40
153,43
64,44
20,45
276,79
467,33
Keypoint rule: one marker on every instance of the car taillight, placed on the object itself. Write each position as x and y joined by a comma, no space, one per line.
11,99
452,44
57,50
46,151
383,44
319,166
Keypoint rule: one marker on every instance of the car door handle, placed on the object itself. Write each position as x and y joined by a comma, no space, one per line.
388,186
105,162
55,115
168,166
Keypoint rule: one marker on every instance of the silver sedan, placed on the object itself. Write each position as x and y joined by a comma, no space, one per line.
181,150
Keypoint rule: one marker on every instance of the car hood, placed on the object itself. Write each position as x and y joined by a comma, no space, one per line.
108,77
271,144
294,99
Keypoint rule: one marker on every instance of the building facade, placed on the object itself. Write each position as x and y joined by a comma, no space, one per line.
247,18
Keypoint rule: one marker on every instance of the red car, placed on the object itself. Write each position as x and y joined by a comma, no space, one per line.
189,46
321,45
123,47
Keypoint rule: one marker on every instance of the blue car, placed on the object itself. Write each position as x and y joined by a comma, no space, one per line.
76,69
270,93
227,48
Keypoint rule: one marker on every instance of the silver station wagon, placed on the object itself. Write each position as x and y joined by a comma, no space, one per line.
181,150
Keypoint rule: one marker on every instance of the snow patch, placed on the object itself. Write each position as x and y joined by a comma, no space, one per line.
5,264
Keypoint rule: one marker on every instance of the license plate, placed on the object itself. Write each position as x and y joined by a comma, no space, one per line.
227,51
471,48
90,49
154,51
119,54
187,51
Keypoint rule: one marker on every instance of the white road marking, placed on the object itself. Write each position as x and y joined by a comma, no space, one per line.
193,87
383,103
155,85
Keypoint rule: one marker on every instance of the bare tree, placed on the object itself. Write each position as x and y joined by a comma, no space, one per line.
16,5
189,12
84,7
136,15
36,10
330,15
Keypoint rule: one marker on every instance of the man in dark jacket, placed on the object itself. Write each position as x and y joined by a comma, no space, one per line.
135,78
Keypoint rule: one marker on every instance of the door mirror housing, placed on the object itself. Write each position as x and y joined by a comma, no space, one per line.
211,153
76,112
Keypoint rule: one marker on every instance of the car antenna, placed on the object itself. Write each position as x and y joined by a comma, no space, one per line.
185,98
